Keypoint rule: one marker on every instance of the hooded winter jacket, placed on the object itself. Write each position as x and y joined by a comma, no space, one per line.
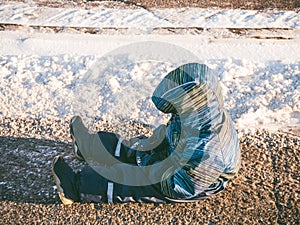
199,138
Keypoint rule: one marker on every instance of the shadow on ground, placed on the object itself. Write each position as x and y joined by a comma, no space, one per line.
25,166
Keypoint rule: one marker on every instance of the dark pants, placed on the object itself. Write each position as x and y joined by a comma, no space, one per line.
102,147
93,187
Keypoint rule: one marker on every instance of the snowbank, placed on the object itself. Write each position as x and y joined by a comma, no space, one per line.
257,95
46,74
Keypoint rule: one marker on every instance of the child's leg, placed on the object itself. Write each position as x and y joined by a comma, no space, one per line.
93,187
89,186
99,147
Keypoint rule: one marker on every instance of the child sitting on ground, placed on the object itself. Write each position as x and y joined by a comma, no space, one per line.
190,158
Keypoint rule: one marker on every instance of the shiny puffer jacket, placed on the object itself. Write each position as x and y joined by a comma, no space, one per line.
200,136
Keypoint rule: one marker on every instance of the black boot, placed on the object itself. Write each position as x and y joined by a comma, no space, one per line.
65,180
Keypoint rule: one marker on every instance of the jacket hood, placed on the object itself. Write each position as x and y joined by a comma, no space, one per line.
189,88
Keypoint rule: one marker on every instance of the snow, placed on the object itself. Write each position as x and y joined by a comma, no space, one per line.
112,77
101,17
203,46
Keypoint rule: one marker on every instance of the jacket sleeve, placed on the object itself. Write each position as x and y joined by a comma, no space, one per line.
148,144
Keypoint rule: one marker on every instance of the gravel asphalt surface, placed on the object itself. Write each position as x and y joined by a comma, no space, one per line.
234,4
266,190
